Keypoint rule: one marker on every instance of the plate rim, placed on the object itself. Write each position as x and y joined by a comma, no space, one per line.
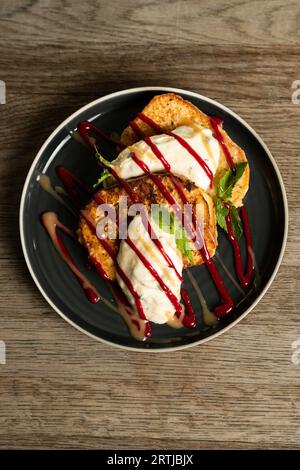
106,98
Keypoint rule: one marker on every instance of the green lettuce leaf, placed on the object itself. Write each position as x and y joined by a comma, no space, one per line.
167,222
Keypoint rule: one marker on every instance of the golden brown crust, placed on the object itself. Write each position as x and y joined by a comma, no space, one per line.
148,194
170,111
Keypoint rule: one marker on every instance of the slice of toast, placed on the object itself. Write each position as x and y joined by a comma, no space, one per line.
170,111
148,194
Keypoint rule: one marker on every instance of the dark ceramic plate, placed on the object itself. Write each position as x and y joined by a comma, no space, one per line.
266,204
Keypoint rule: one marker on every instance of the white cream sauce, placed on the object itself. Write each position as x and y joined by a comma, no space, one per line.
181,161
157,306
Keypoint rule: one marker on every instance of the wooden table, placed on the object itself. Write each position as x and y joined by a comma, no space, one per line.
61,389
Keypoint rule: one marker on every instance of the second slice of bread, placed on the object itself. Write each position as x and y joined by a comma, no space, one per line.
169,111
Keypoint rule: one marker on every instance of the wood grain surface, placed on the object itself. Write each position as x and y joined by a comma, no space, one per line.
61,389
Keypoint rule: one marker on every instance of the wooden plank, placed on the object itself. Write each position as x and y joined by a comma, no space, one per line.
137,22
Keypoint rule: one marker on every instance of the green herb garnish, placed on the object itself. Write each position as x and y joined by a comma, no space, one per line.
104,175
183,244
101,159
236,222
167,222
223,205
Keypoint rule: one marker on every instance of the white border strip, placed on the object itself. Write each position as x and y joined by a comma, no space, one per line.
106,98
